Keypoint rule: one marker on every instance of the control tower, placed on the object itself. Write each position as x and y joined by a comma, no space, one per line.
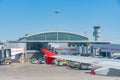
97,33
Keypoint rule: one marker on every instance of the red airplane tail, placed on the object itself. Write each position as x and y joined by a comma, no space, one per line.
49,55
93,72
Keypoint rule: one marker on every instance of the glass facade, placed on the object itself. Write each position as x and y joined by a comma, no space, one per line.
57,36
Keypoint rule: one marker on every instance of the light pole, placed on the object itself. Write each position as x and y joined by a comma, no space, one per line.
57,12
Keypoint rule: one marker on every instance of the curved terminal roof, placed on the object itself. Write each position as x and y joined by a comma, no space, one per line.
61,36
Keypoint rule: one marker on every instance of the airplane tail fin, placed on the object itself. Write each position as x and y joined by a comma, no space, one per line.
93,72
49,55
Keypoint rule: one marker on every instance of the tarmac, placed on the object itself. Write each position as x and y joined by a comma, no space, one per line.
28,71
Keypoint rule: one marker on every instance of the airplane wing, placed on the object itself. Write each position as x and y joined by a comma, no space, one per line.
104,66
81,59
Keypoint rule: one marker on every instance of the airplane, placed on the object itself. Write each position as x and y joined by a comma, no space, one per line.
100,66
116,55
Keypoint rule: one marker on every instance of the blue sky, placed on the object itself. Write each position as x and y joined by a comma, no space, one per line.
18,17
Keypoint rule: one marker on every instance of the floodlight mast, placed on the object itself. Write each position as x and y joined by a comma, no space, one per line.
57,21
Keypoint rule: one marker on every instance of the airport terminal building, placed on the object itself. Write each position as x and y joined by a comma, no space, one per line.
36,41
56,41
